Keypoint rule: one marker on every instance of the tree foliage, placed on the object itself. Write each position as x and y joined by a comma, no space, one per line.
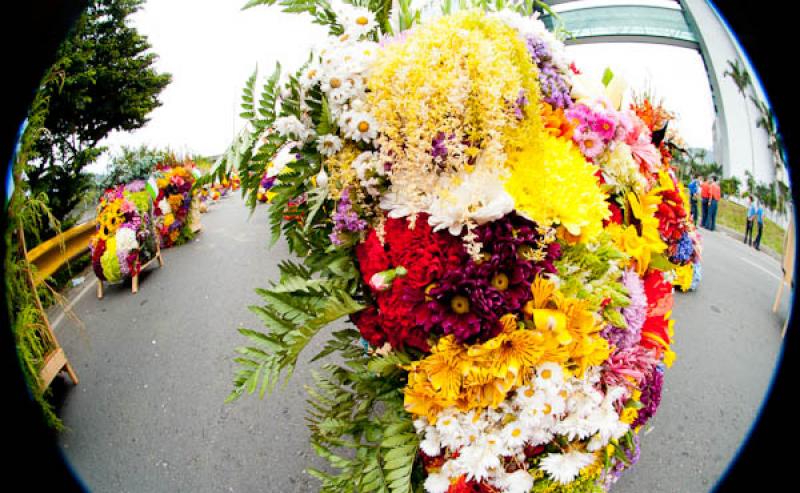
132,163
105,81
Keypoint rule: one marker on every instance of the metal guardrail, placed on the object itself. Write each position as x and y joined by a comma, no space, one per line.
50,255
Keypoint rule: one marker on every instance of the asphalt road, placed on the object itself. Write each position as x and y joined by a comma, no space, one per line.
155,368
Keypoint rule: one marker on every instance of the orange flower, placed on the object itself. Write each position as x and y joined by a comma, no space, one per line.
556,123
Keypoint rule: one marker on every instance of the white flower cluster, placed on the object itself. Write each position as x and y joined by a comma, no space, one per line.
164,207
370,171
341,70
126,240
292,128
549,405
621,170
465,198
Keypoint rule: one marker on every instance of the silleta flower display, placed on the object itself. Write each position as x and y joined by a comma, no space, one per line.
125,238
173,202
503,233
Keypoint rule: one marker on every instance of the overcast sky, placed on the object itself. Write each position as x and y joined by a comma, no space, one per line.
211,47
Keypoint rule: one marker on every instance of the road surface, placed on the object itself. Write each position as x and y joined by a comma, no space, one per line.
155,368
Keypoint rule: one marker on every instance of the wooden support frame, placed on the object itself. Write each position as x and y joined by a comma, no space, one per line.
135,279
56,360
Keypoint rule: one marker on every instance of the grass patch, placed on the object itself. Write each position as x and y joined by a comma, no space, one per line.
734,216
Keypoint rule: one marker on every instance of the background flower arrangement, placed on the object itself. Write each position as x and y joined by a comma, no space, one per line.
503,233
173,202
125,237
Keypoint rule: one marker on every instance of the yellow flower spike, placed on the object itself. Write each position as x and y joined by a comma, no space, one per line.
636,394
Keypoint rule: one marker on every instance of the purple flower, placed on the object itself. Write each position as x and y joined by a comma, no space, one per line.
439,150
554,86
267,182
345,220
135,186
651,397
636,312
683,250
613,474
463,303
519,104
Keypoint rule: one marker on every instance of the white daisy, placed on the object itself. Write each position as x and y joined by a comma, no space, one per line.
310,76
565,467
437,482
549,377
359,126
431,444
478,459
515,434
291,127
329,144
518,481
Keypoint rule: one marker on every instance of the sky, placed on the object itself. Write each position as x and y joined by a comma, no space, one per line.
211,47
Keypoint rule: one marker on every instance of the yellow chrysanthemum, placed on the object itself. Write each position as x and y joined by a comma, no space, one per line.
508,354
552,183
569,322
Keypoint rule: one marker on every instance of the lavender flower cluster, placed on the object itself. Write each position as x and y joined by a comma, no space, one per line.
345,220
555,88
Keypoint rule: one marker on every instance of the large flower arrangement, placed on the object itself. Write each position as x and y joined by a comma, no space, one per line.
173,203
125,238
502,236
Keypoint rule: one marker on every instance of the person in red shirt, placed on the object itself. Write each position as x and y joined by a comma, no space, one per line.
705,191
713,203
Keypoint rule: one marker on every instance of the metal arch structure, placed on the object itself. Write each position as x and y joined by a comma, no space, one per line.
739,145
628,24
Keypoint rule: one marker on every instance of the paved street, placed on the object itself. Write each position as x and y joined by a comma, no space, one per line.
155,368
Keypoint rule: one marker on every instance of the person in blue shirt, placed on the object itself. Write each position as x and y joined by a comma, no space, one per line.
694,190
760,221
751,218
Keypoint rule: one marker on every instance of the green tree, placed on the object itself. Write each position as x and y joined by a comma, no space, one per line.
741,77
105,81
132,163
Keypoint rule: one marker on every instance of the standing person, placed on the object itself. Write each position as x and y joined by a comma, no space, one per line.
705,188
694,189
751,217
713,203
760,221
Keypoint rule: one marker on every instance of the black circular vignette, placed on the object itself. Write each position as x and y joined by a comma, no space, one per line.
31,35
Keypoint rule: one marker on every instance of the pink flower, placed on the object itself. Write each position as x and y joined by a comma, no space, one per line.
604,126
590,143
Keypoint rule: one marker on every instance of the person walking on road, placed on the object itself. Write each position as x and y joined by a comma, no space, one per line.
713,203
760,221
694,189
751,217
705,188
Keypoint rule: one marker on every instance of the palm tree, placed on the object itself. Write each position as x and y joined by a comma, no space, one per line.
741,77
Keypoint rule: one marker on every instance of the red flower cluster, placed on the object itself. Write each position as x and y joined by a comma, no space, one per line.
659,303
464,486
426,256
671,215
